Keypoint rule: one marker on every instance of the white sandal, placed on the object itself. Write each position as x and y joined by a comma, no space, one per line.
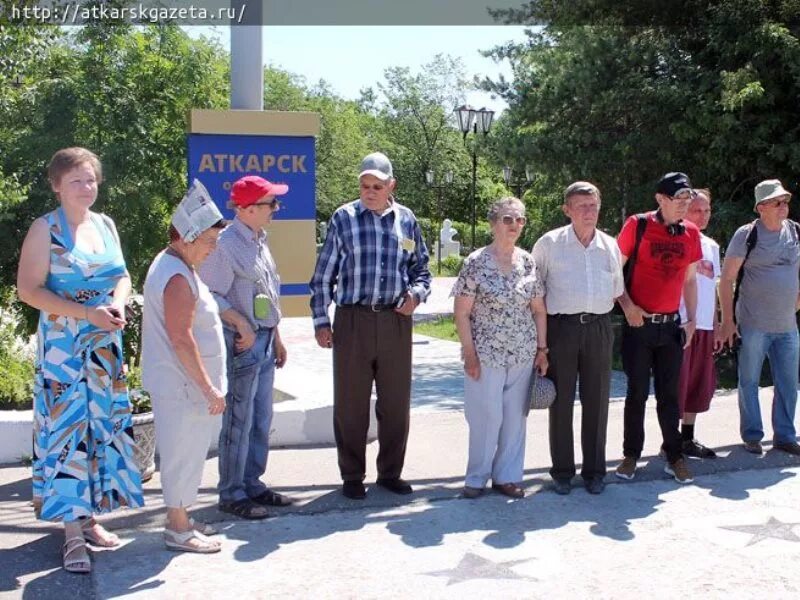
179,541
203,528
76,565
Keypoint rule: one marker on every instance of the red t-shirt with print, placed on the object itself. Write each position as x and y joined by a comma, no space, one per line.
661,262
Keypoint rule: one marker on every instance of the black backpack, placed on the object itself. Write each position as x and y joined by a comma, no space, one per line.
627,270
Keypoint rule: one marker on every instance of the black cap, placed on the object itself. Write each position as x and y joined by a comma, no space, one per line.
672,183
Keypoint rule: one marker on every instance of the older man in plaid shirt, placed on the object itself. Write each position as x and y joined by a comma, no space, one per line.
374,266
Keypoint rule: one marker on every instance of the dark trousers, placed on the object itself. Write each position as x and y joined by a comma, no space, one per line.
579,351
656,348
371,346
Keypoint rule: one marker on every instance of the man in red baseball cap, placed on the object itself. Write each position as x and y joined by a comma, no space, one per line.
242,276
252,189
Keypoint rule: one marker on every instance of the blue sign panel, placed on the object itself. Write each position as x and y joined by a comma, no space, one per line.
219,160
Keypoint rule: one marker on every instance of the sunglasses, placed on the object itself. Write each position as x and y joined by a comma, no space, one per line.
377,187
685,196
509,220
275,205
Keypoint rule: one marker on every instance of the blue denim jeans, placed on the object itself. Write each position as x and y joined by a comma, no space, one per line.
244,438
783,351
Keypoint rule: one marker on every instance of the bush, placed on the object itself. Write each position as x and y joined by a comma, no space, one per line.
483,235
132,334
16,372
426,226
451,265
139,399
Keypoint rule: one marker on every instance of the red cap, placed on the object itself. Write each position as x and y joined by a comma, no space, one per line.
252,188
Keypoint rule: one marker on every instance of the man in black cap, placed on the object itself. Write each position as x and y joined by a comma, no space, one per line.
662,251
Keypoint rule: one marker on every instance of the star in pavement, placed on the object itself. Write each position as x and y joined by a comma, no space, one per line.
473,566
771,529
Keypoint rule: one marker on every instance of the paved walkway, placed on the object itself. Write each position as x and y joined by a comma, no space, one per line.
734,533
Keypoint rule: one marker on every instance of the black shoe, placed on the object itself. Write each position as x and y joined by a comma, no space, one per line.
595,485
396,485
790,447
754,447
695,449
354,490
562,487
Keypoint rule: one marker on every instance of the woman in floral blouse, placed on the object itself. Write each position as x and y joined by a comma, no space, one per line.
501,320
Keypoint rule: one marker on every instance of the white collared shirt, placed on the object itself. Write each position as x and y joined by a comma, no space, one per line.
578,279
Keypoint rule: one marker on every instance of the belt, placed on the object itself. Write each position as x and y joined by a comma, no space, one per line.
663,318
582,318
369,307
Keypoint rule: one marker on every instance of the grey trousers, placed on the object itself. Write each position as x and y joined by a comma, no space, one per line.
183,435
495,407
579,351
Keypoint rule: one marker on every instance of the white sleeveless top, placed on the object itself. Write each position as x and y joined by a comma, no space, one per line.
162,372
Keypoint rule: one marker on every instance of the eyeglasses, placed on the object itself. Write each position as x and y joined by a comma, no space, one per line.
377,187
777,203
275,205
509,220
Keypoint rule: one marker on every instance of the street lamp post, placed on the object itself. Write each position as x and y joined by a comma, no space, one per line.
517,182
431,182
476,121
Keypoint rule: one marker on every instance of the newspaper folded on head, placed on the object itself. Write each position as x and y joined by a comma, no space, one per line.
196,213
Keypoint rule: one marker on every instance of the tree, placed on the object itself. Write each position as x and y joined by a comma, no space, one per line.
124,93
417,121
638,92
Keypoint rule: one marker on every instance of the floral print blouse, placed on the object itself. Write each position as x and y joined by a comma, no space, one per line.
503,330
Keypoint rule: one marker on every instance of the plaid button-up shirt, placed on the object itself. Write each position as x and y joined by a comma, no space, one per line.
240,267
369,259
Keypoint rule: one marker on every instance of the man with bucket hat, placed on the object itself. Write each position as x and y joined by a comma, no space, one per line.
242,276
374,266
762,263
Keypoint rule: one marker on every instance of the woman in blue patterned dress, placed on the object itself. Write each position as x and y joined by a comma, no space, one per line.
71,269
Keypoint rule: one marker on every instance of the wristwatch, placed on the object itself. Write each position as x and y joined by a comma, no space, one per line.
543,349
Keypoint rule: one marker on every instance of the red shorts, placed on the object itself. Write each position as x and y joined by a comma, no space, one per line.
698,376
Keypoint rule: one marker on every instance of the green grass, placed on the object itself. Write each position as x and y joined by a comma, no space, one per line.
442,327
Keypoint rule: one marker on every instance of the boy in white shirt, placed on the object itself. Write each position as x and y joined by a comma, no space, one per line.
698,378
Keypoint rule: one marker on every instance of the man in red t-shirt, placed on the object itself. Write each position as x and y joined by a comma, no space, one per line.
653,337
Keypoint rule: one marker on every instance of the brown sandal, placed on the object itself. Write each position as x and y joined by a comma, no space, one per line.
244,508
91,536
270,498
512,490
76,565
